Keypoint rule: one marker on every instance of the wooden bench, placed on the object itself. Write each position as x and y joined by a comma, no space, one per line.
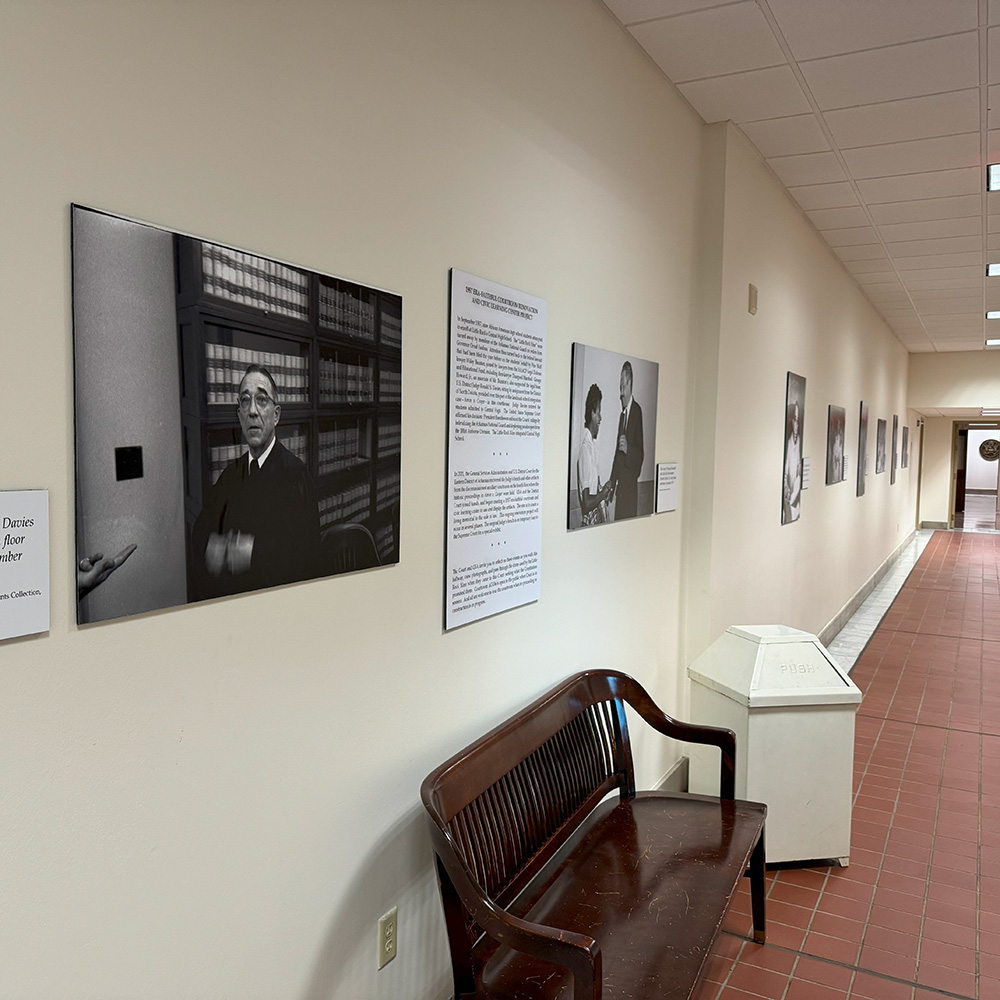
551,892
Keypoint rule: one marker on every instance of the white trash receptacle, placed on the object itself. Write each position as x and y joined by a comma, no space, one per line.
792,709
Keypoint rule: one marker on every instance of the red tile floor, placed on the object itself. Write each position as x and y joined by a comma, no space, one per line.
916,915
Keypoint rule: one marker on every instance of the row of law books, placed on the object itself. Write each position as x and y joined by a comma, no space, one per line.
348,505
225,367
339,449
390,386
389,439
341,310
386,490
254,281
392,330
385,541
219,457
341,382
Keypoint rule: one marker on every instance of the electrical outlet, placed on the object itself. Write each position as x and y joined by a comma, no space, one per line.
387,937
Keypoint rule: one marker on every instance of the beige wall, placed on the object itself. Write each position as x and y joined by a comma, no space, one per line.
812,320
955,379
220,800
935,488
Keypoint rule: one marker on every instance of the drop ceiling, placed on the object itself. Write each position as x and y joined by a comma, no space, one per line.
876,116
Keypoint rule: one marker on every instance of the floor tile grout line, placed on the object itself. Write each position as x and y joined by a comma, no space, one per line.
856,968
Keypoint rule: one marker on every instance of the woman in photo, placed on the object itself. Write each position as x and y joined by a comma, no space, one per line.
793,465
593,496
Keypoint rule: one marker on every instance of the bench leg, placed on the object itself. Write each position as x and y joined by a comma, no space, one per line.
757,889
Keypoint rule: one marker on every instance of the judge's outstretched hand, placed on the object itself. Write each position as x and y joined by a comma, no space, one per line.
94,570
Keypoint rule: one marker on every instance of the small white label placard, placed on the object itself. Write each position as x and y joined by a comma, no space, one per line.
666,486
24,562
805,473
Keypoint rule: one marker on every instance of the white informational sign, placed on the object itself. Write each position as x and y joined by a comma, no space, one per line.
24,562
805,473
666,486
494,540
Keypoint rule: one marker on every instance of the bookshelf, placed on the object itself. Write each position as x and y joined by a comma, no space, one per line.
334,348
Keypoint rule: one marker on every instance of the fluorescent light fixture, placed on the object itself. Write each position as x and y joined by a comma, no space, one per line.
993,314
993,342
992,270
993,176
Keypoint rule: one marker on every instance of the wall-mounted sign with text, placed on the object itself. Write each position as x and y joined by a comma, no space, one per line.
24,562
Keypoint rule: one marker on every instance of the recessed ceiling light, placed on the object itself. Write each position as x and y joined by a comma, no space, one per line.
993,176
993,342
993,314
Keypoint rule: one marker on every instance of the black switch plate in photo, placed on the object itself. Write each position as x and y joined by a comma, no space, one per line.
128,463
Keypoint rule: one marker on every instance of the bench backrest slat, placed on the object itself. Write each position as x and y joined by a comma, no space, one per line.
507,828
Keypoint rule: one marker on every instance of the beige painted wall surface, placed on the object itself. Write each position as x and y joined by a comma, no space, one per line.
935,490
220,800
955,379
811,320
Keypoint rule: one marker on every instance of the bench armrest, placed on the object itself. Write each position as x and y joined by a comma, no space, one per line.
725,739
578,953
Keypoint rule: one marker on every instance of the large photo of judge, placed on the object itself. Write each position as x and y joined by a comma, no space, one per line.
612,437
791,479
223,442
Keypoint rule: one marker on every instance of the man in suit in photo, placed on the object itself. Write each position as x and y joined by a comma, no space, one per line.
259,526
628,456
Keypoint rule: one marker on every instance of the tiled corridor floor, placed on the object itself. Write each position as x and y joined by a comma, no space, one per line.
916,915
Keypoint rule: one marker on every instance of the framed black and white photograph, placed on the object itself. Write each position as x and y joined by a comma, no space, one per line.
895,454
791,487
904,451
880,447
836,422
237,420
612,440
862,447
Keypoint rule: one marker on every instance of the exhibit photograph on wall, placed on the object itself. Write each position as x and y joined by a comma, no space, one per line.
836,422
880,447
904,451
791,487
493,547
895,453
237,419
612,437
862,448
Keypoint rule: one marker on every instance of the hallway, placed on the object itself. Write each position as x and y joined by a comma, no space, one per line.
916,915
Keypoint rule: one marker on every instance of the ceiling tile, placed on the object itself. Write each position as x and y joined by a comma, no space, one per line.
890,74
924,248
993,103
917,275
933,184
948,260
972,282
715,42
993,241
877,279
953,307
864,251
923,210
898,121
629,11
994,12
993,146
838,218
821,29
746,97
867,266
784,136
807,168
938,229
850,237
916,156
815,196
993,54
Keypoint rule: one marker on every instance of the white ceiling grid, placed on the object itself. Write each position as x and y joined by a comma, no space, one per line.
878,116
